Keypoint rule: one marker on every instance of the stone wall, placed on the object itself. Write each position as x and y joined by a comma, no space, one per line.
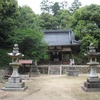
79,68
43,69
82,69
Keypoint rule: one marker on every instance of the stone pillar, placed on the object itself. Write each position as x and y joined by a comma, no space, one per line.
93,73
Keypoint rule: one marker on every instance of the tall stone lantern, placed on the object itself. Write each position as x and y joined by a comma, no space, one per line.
93,81
15,82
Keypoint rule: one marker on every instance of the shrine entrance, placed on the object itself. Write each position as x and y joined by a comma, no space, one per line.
55,56
62,55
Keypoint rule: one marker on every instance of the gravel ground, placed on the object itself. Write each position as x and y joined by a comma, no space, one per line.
52,87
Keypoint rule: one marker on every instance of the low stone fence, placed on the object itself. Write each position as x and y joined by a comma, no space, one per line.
43,69
80,68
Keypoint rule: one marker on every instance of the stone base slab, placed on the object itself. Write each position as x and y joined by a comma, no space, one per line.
90,89
14,89
14,85
93,80
92,84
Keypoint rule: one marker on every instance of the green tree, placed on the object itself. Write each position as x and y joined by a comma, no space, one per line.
8,14
48,21
26,18
63,5
55,8
64,18
30,42
85,24
46,6
74,6
28,35
87,39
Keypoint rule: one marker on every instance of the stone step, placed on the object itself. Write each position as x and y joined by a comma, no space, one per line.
55,70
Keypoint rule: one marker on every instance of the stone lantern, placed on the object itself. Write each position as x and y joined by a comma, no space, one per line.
14,82
93,81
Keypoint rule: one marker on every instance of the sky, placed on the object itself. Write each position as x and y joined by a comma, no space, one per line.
35,4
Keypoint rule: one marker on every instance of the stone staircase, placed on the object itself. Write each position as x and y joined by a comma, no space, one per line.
54,70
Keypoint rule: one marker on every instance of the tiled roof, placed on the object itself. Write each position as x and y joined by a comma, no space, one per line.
59,37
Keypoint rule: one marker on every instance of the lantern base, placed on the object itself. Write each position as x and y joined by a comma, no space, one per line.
14,89
14,84
92,84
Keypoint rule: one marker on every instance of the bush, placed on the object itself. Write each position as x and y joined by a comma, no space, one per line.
4,58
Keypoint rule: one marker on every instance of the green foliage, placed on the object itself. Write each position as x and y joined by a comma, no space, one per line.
26,18
75,5
33,48
64,18
86,27
61,19
46,57
55,8
28,35
30,43
8,14
88,13
80,59
45,6
4,59
48,21
86,42
52,7
63,5
85,23
21,34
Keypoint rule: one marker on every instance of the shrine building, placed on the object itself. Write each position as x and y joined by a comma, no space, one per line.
61,44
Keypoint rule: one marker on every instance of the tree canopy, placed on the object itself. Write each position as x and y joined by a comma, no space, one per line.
8,14
85,24
74,6
20,25
27,34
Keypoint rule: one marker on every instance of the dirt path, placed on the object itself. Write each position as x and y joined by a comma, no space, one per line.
52,87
